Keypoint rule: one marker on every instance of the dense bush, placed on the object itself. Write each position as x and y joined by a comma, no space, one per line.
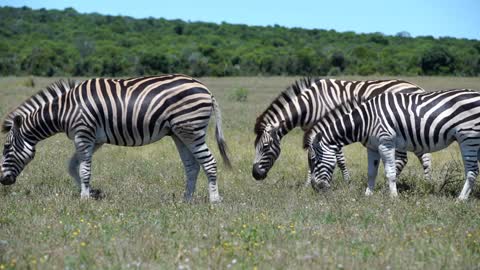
437,60
239,94
63,43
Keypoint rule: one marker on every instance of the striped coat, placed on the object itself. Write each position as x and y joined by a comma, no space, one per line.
126,112
306,102
421,123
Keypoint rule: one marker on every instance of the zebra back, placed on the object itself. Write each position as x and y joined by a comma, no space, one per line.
308,99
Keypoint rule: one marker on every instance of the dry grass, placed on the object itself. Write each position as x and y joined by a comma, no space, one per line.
143,223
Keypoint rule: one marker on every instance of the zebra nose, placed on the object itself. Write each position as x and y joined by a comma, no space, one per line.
7,180
320,185
258,173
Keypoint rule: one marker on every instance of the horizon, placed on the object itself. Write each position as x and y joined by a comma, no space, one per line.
362,23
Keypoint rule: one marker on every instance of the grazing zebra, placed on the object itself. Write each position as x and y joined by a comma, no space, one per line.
130,112
420,123
307,101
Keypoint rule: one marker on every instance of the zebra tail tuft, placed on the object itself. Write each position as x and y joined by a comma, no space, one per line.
222,145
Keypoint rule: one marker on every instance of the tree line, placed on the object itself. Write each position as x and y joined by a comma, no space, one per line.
67,43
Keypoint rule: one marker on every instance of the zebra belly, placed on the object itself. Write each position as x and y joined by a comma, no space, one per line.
402,144
420,148
104,135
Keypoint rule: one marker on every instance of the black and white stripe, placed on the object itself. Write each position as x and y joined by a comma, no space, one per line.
127,112
307,101
420,123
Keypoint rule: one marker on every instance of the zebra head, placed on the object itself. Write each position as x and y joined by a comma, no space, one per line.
267,150
322,161
17,151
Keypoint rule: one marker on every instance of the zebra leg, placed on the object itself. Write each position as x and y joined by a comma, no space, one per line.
470,153
190,165
401,160
426,160
74,163
342,165
73,168
195,142
308,182
209,165
387,152
373,161
84,147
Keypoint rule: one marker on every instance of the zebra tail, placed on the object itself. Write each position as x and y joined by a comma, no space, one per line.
222,145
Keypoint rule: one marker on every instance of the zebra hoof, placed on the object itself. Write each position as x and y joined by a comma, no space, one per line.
97,194
188,199
394,195
217,199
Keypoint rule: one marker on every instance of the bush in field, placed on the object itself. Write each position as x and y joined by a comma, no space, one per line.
29,82
239,94
338,60
437,61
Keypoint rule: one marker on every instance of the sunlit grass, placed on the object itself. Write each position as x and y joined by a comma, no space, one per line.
143,223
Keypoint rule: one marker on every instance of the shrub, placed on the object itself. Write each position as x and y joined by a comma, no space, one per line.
437,60
338,60
334,71
29,82
240,94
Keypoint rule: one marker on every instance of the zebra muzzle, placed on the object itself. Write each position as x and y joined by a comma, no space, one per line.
258,173
320,185
7,180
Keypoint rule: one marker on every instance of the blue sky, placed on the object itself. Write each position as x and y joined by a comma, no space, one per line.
439,18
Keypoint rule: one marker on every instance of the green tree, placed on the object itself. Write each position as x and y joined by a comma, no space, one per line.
338,60
437,60
55,42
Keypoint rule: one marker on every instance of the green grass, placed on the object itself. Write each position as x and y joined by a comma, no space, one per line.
143,223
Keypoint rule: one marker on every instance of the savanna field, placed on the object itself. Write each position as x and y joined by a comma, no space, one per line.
143,223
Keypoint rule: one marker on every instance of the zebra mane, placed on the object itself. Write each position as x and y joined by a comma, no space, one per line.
311,135
42,97
292,91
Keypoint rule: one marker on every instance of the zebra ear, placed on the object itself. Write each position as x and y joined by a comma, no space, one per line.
17,122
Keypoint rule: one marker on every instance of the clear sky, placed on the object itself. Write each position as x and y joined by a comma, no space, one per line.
438,18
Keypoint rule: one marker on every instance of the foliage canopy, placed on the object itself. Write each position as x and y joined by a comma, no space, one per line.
65,43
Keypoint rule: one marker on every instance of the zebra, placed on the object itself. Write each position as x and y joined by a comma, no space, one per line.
421,123
304,103
125,112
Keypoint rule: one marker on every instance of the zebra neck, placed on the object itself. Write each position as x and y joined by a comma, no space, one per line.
43,122
308,117
288,113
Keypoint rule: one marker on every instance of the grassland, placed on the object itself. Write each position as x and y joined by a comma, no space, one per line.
143,223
